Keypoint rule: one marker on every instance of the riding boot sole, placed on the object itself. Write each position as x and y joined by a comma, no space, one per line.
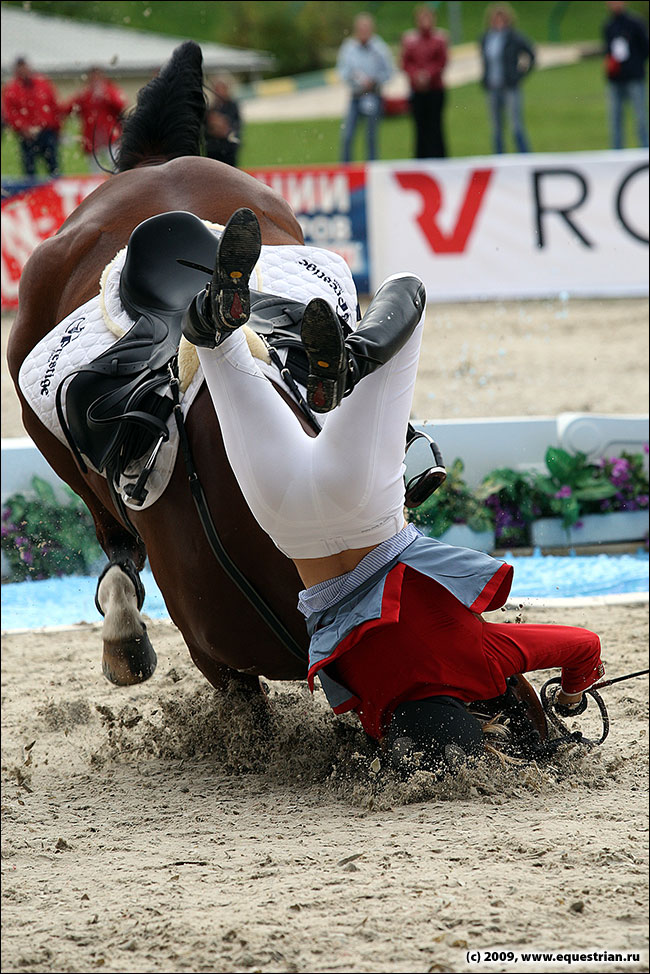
238,252
324,342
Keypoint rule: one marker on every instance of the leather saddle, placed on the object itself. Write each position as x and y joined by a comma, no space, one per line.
117,406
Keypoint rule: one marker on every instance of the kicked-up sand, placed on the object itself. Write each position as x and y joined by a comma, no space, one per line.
168,828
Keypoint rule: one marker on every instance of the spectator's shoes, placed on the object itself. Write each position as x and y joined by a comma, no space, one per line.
225,303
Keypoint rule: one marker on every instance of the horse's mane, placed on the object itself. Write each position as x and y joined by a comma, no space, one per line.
167,120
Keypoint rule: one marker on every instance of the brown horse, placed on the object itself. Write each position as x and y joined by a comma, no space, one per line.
159,170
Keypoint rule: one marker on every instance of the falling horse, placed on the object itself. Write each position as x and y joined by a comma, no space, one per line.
237,612
159,170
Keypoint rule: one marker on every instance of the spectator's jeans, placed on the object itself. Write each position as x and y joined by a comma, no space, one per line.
45,144
350,126
619,93
427,108
511,99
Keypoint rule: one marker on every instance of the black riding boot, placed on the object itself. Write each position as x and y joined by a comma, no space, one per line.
224,305
337,363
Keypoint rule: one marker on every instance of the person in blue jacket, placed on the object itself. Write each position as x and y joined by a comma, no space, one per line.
626,53
507,57
394,617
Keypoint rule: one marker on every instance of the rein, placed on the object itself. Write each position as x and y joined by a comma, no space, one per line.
247,589
549,692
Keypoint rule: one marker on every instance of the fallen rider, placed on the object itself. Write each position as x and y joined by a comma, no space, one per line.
394,617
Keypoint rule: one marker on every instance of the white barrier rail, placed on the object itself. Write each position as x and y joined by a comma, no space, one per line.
482,444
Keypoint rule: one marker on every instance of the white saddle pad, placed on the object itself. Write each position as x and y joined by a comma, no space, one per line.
299,273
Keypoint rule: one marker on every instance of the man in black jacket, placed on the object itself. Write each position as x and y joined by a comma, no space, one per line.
626,52
507,57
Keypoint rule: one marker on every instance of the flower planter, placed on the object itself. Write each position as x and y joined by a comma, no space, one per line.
461,536
548,532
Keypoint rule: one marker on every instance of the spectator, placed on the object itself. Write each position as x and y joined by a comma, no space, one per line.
507,58
365,64
100,105
626,52
30,107
222,122
424,56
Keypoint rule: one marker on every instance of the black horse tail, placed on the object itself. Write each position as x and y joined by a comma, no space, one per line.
167,121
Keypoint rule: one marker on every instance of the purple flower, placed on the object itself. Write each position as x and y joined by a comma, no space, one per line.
564,492
642,500
620,472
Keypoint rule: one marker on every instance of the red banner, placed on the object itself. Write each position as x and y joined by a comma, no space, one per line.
31,216
329,203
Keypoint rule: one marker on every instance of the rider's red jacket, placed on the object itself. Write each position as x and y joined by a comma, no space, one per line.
422,641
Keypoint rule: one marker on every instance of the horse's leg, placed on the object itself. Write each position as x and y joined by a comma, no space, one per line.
128,656
223,677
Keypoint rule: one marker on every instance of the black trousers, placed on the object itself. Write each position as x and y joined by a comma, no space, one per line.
427,108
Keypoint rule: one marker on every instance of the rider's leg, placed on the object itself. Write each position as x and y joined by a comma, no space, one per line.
315,496
521,649
358,456
337,363
266,445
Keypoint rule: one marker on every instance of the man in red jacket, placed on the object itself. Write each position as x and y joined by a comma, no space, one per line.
424,56
99,105
30,107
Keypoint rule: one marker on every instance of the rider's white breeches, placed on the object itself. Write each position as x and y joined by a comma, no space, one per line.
316,496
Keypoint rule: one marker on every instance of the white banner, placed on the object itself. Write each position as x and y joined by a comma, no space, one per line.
522,226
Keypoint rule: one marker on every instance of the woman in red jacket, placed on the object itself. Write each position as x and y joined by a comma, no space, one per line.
100,105
424,56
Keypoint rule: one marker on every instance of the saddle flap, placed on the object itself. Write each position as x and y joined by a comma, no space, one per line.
117,418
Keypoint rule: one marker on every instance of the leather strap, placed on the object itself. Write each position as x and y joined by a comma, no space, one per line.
247,589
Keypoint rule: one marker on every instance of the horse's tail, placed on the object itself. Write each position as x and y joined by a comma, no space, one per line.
167,120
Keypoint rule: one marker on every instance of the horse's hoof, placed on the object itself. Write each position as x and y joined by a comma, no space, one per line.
129,661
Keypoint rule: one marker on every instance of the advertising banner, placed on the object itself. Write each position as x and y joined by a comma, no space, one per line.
525,226
30,214
330,205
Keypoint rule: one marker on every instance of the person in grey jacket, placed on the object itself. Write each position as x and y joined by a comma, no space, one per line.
507,58
365,64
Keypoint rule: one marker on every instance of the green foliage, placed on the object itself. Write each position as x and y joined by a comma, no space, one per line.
572,484
514,502
43,538
453,503
510,500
